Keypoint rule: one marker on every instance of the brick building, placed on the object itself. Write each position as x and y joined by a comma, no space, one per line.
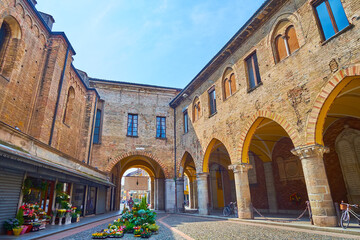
271,121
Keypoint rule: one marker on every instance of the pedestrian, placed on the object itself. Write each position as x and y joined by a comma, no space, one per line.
130,203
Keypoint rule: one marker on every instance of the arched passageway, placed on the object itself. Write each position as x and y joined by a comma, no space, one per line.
156,174
187,175
339,129
276,179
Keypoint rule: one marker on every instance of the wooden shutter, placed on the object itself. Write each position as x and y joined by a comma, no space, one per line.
292,39
232,83
227,88
280,48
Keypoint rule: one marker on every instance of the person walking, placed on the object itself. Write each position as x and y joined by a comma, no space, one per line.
130,203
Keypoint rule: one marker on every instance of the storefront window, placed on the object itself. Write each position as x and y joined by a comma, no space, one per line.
91,201
78,197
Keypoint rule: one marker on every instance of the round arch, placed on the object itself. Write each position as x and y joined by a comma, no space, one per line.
208,151
253,124
316,120
139,154
186,161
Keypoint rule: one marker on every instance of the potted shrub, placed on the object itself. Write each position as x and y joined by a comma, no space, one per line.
10,224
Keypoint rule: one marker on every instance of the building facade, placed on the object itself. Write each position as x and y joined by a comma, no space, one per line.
272,121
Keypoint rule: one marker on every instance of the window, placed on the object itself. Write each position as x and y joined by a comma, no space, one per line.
4,37
160,127
69,106
286,44
10,36
331,17
132,126
229,83
253,71
186,121
97,127
196,109
212,101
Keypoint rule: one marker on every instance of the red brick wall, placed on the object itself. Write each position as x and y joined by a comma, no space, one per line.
258,191
285,189
331,160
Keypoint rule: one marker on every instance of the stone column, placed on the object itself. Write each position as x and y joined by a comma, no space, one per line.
191,193
180,194
170,195
152,193
203,195
317,184
242,187
270,187
159,192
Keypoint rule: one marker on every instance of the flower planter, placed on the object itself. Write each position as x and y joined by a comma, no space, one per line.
9,232
24,229
28,229
17,231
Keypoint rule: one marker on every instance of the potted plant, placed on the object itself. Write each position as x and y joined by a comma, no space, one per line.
145,232
17,230
61,214
35,226
10,224
98,235
154,228
137,231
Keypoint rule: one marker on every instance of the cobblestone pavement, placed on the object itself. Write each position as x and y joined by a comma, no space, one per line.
193,227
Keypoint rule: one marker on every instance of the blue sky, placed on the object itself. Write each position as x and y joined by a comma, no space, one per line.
159,42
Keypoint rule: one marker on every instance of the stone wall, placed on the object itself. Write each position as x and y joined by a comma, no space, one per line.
148,102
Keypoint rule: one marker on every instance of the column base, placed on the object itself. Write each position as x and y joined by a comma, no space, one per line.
245,215
325,221
203,211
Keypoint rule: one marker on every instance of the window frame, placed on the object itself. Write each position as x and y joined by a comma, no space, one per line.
256,71
159,123
186,121
315,4
99,127
132,115
213,101
196,109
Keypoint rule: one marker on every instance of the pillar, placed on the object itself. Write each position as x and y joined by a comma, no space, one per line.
317,184
180,194
170,195
159,194
203,196
243,197
191,193
270,187
152,193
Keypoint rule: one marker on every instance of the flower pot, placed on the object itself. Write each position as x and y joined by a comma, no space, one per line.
9,232
17,231
60,220
28,229
24,229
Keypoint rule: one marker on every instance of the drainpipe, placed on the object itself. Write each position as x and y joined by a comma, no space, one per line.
176,210
58,96
92,129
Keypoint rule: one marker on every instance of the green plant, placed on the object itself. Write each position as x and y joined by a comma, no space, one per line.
143,205
154,227
129,227
11,223
20,216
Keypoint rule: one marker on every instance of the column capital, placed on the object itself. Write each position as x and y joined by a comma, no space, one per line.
310,151
240,167
202,175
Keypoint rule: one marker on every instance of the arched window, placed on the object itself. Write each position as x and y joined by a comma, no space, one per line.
10,35
229,83
196,109
69,106
286,41
5,34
